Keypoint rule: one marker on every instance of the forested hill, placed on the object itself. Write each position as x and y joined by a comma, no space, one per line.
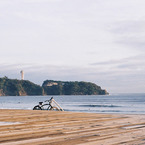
14,87
72,88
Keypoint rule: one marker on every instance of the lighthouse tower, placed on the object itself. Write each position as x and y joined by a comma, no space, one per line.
22,74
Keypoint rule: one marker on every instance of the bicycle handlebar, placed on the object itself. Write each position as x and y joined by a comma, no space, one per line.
49,100
46,101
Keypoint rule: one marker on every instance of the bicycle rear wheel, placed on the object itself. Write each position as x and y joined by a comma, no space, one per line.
37,108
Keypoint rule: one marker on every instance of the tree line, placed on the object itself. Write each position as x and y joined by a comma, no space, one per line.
14,87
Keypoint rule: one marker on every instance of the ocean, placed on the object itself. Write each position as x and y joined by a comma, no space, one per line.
113,103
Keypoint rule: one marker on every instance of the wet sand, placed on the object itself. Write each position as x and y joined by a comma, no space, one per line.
32,127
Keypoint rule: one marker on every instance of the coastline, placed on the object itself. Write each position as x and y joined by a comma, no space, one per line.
69,128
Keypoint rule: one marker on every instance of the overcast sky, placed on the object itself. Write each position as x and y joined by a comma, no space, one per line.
100,41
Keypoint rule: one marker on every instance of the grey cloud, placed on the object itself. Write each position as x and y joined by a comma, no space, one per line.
40,1
121,71
132,42
110,62
130,33
129,27
129,61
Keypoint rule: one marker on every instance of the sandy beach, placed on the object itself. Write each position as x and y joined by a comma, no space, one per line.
21,127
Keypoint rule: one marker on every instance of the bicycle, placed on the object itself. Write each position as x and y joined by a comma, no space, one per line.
51,105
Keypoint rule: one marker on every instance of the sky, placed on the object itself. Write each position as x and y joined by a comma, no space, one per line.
99,41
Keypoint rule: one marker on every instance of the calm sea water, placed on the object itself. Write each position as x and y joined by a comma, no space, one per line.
114,103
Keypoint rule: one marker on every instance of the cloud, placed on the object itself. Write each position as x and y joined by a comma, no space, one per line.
127,73
40,1
130,33
129,63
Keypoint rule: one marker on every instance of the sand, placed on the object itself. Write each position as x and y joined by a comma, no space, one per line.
32,127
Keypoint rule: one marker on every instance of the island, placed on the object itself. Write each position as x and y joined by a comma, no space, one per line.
72,88
15,87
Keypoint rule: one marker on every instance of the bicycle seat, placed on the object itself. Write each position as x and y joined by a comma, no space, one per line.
40,103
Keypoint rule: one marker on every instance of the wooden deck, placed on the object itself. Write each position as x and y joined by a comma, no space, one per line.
29,127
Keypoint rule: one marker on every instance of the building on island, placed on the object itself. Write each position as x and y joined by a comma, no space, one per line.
49,84
22,74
